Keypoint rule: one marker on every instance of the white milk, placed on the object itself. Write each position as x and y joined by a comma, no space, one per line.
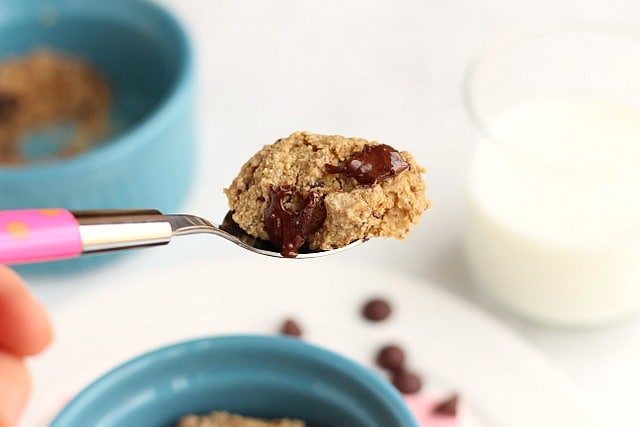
554,211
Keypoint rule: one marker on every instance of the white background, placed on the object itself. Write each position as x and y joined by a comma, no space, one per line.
384,70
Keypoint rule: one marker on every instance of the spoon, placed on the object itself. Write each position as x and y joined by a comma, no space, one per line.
39,235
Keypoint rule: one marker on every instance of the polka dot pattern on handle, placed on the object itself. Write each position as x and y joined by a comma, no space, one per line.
36,235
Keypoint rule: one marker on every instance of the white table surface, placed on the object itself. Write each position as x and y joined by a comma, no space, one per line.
389,71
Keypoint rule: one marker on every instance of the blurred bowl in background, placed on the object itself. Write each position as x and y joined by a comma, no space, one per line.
259,376
149,159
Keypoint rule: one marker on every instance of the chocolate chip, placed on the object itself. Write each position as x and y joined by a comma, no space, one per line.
376,310
291,327
373,164
289,230
391,357
448,407
406,382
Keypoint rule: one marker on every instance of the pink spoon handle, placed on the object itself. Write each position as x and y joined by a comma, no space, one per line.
36,235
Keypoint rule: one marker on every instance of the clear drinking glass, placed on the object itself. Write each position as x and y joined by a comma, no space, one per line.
553,218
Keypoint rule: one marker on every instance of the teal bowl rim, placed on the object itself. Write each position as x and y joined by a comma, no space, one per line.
138,136
302,349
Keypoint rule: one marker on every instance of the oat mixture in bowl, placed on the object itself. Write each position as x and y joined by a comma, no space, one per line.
225,419
49,92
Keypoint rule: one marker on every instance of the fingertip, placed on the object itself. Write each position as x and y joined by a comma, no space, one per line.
25,327
15,386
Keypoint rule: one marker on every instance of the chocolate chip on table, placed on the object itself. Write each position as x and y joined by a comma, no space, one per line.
406,382
376,309
291,327
448,407
391,357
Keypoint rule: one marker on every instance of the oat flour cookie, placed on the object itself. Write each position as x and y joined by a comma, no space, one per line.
330,190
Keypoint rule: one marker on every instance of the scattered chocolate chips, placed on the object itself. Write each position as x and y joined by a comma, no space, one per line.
391,357
291,327
289,230
376,310
373,164
448,407
406,382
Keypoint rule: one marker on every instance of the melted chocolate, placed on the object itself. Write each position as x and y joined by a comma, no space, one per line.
373,164
289,230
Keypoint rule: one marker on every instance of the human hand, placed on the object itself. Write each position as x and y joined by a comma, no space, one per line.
24,331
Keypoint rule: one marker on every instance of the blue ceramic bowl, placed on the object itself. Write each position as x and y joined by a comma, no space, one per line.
262,376
146,55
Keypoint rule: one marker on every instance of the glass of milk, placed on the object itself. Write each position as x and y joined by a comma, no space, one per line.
553,224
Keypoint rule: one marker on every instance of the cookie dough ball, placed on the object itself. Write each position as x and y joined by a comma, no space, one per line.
360,189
